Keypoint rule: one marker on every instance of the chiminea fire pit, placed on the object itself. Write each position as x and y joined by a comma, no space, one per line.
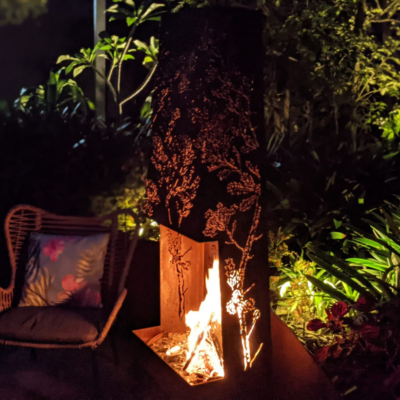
205,187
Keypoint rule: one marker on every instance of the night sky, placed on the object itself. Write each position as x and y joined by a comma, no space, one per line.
29,51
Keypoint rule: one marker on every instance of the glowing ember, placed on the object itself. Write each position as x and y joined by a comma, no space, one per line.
204,354
173,350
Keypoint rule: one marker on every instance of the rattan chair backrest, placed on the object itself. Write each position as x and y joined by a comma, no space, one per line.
24,219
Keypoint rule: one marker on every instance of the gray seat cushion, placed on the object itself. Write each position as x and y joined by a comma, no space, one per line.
51,325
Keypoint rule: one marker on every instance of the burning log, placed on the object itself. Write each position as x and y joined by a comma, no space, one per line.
198,342
218,348
197,354
206,336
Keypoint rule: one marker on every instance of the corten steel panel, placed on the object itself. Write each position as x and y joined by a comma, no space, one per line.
205,178
182,271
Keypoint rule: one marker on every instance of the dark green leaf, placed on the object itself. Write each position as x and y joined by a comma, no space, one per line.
344,267
336,294
339,274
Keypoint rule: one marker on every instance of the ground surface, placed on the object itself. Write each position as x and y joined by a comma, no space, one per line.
69,374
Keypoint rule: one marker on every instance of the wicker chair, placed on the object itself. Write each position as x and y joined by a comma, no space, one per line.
23,219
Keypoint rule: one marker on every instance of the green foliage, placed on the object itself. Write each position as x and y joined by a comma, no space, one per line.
17,11
118,50
296,291
127,10
150,50
390,125
130,195
341,269
378,252
58,164
63,96
373,271
251,4
347,61
332,75
102,164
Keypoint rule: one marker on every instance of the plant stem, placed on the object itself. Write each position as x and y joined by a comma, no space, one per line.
141,87
121,59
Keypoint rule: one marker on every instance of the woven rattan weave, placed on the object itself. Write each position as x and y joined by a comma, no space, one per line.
24,219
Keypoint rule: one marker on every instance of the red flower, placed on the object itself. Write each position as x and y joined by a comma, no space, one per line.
339,310
70,284
84,294
315,325
329,315
322,354
54,248
335,315
365,303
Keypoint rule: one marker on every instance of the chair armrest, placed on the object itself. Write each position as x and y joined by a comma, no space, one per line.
112,317
6,296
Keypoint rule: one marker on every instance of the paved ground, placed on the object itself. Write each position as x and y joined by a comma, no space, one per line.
69,374
62,374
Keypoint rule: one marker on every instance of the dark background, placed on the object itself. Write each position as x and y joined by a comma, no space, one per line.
30,50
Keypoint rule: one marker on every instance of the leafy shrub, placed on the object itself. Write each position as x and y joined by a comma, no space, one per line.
117,51
293,296
372,271
59,164
62,96
362,352
16,11
103,162
331,108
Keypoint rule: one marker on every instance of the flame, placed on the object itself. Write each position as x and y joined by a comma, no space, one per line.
205,338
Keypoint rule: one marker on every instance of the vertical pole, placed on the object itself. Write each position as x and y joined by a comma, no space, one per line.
99,25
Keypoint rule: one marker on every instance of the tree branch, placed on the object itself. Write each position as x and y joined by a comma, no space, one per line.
381,21
109,84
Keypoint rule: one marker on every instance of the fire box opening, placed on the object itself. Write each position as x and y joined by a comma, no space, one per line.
189,338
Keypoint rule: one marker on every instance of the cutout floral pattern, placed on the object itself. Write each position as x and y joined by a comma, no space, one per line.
180,265
173,158
224,141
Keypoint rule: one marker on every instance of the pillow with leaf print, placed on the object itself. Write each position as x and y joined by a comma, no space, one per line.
64,270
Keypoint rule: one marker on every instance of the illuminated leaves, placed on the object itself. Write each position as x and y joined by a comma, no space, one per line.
134,16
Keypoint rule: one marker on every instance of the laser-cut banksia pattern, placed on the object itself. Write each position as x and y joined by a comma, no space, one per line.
180,265
221,146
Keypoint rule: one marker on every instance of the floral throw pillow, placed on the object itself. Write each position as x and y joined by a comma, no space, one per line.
64,270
